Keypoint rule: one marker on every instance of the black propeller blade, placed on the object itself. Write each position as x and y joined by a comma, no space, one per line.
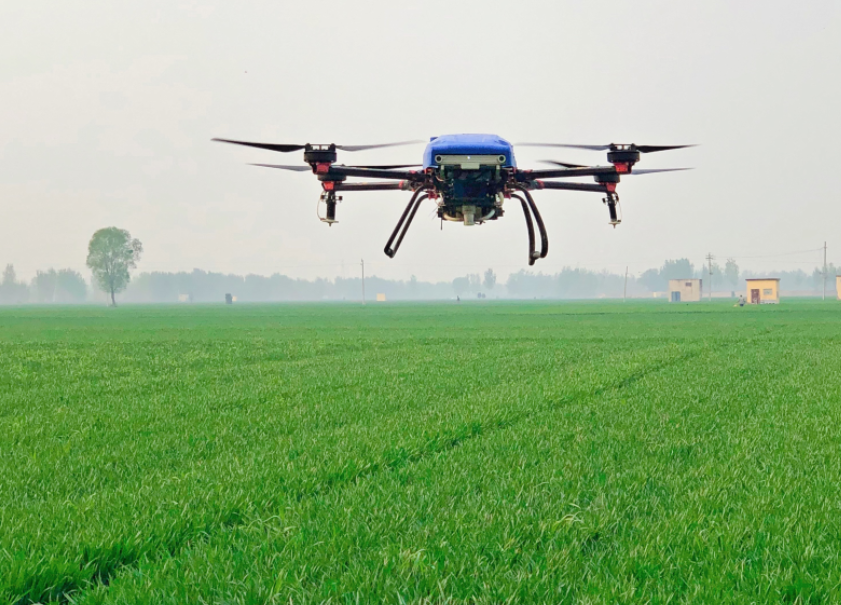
364,147
635,171
610,147
653,170
590,147
653,148
294,147
283,167
269,146
306,168
564,164
386,166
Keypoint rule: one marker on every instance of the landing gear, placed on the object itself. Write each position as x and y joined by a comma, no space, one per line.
530,226
401,228
530,209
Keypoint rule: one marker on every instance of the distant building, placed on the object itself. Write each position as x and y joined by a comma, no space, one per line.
763,291
838,286
685,290
380,297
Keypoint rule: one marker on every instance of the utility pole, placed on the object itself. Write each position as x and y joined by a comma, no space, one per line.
710,258
363,281
625,291
824,270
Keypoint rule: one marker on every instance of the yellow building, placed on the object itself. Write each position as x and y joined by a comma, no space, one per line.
380,297
763,291
838,285
685,290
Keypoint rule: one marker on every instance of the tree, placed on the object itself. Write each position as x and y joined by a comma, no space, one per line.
731,273
70,286
111,253
44,286
651,279
460,285
676,269
490,279
657,280
65,286
11,291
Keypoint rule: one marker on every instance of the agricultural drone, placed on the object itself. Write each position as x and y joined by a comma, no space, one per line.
469,177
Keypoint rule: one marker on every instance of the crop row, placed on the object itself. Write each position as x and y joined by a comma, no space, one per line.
144,440
712,479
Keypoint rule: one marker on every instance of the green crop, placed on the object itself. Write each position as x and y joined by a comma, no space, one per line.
499,452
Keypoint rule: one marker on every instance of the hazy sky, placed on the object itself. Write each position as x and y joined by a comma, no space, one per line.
108,109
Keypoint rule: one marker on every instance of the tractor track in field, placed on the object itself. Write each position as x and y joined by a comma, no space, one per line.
106,568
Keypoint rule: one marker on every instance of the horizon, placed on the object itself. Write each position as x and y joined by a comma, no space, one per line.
115,108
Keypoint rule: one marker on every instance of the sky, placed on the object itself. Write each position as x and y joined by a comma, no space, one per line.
109,107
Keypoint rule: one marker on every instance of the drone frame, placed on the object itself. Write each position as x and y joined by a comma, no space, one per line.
515,183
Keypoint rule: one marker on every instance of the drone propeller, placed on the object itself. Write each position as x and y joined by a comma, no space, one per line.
308,168
610,147
653,170
364,147
386,166
283,167
564,164
294,147
638,171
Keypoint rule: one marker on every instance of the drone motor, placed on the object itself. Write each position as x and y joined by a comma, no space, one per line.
623,158
320,155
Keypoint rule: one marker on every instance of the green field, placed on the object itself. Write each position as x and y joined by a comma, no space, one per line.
496,452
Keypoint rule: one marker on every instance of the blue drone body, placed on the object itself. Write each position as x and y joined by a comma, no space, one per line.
469,146
468,176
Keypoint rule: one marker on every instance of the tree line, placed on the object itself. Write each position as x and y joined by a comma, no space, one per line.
112,253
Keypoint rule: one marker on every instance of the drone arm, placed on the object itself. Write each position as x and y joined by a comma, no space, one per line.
555,173
399,186
376,173
595,187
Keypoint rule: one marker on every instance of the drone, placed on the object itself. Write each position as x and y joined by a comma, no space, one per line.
468,176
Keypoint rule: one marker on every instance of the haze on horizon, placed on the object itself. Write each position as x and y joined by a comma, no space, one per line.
109,109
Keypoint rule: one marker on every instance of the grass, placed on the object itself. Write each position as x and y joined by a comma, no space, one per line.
497,452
